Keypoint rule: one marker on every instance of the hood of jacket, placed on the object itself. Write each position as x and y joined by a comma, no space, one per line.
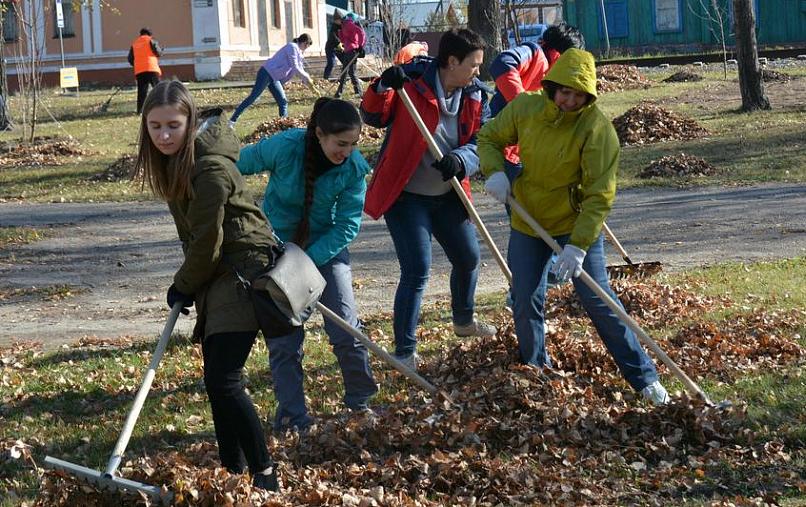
576,69
215,137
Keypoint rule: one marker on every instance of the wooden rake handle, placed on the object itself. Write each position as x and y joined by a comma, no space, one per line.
690,385
616,243
457,187
380,352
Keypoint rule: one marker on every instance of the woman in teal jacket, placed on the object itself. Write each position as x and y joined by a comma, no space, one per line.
314,198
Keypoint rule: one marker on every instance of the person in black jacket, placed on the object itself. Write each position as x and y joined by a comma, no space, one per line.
333,45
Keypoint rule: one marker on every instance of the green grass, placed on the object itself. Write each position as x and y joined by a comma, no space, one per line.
765,146
70,403
19,236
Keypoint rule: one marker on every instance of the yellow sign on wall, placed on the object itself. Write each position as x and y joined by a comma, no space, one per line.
68,77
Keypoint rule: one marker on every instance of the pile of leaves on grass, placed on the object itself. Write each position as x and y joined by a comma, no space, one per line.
43,151
678,166
509,434
684,76
649,123
369,135
119,170
616,78
772,75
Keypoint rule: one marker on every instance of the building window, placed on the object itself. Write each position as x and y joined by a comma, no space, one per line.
618,20
668,16
10,29
238,13
69,27
275,13
307,14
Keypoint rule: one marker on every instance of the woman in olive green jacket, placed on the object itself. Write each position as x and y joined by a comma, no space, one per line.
190,162
570,153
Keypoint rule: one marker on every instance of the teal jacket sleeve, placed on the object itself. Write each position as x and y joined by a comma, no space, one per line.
262,155
346,224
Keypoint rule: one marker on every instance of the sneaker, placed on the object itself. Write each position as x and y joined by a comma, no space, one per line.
656,393
267,479
231,124
411,360
475,328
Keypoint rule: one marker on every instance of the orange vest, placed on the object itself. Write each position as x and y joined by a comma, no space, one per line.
144,58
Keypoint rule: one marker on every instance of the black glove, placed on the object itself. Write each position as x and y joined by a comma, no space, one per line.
361,52
450,166
394,77
174,296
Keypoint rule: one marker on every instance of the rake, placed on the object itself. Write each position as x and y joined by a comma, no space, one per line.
107,480
631,269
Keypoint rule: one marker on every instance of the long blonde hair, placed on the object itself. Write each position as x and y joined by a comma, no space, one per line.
167,176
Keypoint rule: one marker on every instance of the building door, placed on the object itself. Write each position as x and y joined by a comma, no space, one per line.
263,27
289,21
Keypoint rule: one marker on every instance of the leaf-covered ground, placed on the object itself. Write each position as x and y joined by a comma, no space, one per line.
505,434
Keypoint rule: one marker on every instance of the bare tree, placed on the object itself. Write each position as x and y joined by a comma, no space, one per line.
395,25
28,51
751,83
5,117
484,18
716,17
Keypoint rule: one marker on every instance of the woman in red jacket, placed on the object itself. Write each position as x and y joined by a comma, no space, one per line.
412,191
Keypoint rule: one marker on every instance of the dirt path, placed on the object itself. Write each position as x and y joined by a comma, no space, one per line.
121,257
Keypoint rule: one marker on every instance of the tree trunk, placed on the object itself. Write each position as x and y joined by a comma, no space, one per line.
751,83
5,119
484,18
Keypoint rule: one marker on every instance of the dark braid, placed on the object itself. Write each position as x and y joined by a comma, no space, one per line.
304,226
332,116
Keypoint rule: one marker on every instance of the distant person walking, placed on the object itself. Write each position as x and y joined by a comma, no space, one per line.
285,64
353,38
333,46
144,56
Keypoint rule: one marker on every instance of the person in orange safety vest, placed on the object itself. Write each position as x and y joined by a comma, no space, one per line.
144,56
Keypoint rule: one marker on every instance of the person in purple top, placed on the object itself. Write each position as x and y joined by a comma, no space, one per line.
280,68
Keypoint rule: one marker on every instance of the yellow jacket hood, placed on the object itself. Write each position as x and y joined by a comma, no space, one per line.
576,69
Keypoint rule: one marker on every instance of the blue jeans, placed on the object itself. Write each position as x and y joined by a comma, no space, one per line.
263,81
411,222
330,58
285,353
528,258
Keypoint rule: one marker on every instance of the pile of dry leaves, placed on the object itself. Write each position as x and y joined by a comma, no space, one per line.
649,123
119,170
615,78
509,434
683,76
771,75
45,150
677,166
369,135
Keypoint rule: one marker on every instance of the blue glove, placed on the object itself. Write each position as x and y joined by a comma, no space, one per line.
569,263
174,296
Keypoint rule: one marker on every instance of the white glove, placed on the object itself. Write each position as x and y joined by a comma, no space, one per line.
497,186
568,263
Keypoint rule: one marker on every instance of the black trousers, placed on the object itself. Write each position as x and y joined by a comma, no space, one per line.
144,80
349,61
238,429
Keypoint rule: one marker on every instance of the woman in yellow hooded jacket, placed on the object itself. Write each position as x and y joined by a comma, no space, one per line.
570,154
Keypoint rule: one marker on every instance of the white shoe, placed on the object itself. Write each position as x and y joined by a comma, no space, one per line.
475,328
410,361
656,393
231,124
